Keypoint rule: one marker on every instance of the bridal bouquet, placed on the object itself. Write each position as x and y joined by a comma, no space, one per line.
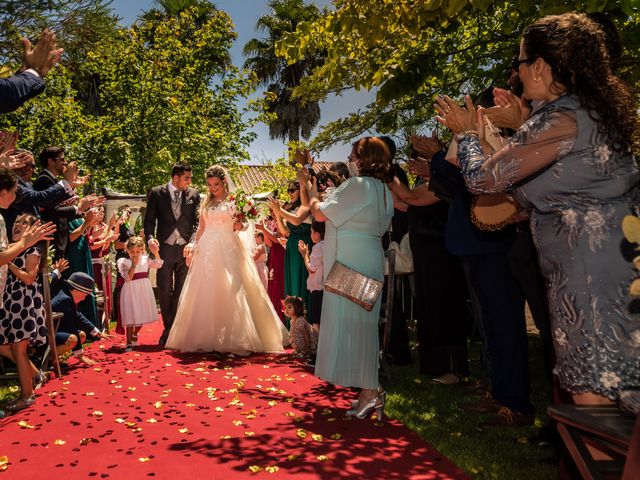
245,207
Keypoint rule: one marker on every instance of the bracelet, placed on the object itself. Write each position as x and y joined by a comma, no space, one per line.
473,133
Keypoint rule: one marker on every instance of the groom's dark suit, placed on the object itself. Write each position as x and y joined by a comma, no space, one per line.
173,233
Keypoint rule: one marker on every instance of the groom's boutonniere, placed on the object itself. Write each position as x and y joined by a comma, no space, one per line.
189,202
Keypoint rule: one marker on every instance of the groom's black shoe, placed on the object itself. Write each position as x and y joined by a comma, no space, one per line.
163,340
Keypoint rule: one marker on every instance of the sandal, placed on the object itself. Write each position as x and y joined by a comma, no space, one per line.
20,404
447,379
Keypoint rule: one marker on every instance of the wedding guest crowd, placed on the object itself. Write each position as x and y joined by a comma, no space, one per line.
555,150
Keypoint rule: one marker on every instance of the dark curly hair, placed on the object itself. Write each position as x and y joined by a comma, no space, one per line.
375,158
298,305
575,48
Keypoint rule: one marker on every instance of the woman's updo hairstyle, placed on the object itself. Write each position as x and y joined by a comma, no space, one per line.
575,48
214,171
375,158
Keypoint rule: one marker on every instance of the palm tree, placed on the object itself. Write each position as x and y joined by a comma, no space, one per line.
174,7
294,118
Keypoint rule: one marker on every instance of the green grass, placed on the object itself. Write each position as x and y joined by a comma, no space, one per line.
433,412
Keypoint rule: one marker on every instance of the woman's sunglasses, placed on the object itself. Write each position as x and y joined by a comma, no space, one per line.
291,190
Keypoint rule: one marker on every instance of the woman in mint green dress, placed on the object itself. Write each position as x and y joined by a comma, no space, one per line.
356,214
294,222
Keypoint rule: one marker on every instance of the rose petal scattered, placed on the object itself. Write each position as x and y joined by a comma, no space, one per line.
144,459
255,468
59,442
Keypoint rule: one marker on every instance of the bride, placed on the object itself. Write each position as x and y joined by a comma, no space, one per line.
223,306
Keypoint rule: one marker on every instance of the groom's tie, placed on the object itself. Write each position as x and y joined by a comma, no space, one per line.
176,204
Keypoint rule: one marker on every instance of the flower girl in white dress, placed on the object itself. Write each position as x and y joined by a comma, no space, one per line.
137,302
224,306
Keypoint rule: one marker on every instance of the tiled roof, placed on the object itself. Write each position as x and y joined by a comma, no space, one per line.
254,175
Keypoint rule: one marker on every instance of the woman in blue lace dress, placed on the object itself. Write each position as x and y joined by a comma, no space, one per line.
571,166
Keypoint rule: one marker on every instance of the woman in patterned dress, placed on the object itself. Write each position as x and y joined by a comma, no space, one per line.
571,166
21,327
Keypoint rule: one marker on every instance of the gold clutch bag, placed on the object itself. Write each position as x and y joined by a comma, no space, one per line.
353,285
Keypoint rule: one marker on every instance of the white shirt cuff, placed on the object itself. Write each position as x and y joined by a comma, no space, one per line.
95,332
67,187
32,72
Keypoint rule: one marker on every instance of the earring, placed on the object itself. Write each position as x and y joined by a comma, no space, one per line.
537,79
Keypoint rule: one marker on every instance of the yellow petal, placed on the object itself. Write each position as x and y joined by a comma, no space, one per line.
183,430
301,433
59,442
322,458
158,404
336,436
255,468
272,403
120,420
4,463
144,459
24,424
152,420
272,469
225,437
317,437
249,434
97,413
293,457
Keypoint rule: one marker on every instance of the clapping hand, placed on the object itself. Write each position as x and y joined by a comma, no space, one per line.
420,166
303,248
44,55
426,147
459,119
61,265
274,205
509,110
37,232
18,160
8,142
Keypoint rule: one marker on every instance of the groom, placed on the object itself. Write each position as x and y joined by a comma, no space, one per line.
173,207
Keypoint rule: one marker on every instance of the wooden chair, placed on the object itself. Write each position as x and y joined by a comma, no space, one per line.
51,353
607,428
386,313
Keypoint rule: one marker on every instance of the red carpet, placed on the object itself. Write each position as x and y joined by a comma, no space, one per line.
154,414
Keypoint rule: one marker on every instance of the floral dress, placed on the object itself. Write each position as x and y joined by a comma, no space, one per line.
22,313
577,190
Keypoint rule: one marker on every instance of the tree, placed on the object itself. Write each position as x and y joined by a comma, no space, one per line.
166,93
413,50
292,118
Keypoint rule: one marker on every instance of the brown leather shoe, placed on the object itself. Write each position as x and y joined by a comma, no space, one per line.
508,418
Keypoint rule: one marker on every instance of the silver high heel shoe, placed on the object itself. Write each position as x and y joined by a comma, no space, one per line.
381,393
376,404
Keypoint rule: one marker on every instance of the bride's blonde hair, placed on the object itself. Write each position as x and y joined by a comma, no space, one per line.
217,171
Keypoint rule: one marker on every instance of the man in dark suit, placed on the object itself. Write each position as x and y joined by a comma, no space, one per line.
29,200
52,160
28,82
170,221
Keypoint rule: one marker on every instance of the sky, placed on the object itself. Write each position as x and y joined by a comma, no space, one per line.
245,14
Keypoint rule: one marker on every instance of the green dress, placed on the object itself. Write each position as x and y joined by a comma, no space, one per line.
79,256
358,213
295,273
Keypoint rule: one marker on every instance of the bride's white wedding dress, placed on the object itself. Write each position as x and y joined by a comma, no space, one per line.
224,306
